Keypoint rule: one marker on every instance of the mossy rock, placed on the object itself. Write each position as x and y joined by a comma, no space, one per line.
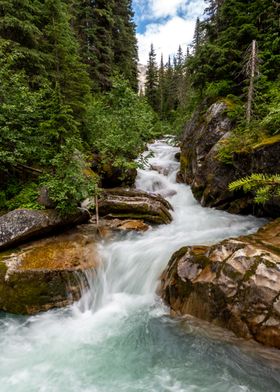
234,284
47,273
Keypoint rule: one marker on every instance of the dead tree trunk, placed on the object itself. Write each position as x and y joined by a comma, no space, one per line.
251,71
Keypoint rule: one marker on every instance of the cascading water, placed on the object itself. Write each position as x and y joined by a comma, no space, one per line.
119,337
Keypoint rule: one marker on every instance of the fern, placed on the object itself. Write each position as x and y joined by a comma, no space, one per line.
265,186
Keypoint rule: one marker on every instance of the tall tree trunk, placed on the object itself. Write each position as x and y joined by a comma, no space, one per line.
253,69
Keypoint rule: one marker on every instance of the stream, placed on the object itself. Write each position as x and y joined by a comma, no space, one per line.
119,336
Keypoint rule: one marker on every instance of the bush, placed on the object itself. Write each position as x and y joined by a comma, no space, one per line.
26,198
120,123
265,186
70,182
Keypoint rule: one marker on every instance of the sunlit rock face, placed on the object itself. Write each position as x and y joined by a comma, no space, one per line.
142,72
235,284
49,273
209,177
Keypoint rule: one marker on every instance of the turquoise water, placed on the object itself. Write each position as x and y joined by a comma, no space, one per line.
119,337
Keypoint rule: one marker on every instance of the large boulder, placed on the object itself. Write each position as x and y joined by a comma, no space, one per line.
21,225
234,284
133,204
47,274
209,177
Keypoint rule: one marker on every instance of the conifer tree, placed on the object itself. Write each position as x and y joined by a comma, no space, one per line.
93,22
65,69
124,42
151,85
20,37
197,38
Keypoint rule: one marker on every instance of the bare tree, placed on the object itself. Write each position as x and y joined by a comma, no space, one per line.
252,70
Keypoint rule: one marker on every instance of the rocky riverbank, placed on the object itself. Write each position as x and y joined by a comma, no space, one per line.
51,272
47,273
209,176
234,284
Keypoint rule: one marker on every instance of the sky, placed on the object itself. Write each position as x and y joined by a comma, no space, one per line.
165,23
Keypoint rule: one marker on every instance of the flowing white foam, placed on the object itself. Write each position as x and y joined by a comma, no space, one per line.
117,337
133,265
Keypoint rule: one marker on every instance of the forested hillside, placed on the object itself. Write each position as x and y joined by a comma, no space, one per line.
68,93
235,59
70,116
218,63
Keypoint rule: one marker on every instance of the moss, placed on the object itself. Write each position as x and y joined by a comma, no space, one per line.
184,162
3,268
231,105
267,141
146,217
253,269
31,292
178,255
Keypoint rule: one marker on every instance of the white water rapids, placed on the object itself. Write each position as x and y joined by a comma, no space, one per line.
119,337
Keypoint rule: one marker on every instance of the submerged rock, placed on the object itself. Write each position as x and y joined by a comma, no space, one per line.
235,284
133,204
209,177
46,274
21,225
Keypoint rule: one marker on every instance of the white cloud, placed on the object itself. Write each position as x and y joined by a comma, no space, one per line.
177,29
194,8
163,8
166,38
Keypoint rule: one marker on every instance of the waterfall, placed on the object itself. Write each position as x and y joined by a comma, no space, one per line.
119,336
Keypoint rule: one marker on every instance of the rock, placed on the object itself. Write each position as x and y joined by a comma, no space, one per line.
46,274
177,156
161,170
209,177
133,204
44,198
135,225
21,225
234,284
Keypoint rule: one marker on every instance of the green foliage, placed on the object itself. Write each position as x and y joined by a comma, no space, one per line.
21,112
265,186
218,89
271,121
120,124
151,85
26,198
106,34
69,183
49,121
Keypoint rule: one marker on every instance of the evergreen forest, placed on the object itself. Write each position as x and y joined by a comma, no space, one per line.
68,93
70,110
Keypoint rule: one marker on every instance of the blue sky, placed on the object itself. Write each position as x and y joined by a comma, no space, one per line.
165,23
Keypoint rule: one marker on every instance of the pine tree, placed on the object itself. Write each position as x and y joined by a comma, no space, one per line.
197,38
65,69
93,22
20,37
151,85
124,42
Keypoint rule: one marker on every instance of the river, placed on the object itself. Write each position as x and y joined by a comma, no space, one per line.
119,336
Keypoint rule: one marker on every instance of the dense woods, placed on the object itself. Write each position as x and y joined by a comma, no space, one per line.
234,58
68,92
218,64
